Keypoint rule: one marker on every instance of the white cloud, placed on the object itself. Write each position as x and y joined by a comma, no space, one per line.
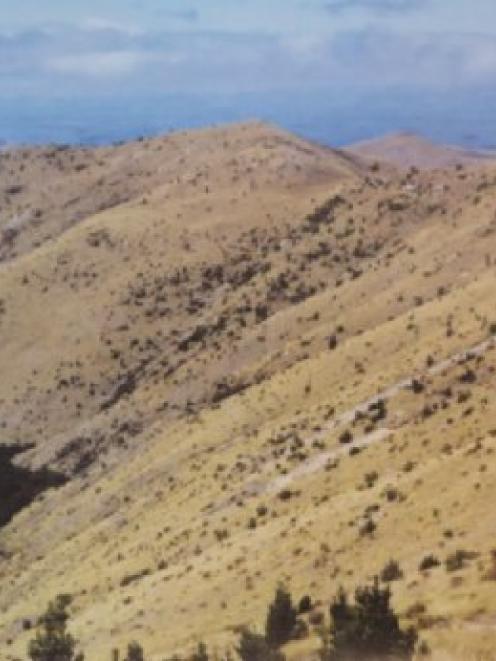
186,61
98,64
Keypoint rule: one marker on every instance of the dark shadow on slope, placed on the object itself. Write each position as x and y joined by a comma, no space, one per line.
20,486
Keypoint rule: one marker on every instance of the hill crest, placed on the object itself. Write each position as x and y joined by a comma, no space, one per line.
407,149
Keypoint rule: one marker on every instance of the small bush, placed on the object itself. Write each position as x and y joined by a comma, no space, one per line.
370,479
134,652
305,604
457,560
346,437
391,572
367,528
428,562
254,647
281,619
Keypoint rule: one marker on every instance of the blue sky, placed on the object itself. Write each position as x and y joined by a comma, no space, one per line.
243,45
97,49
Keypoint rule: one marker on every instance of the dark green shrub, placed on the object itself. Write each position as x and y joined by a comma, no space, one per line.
52,641
305,605
368,628
391,572
332,342
458,560
429,562
346,437
254,647
281,619
134,652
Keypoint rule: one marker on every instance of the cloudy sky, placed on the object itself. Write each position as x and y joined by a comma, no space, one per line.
243,45
53,52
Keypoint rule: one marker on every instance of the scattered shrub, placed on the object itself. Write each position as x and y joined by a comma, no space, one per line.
134,652
305,604
367,629
52,641
346,437
457,560
254,647
368,528
429,562
391,572
281,619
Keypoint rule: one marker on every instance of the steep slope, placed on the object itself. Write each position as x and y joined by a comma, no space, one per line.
129,294
284,372
408,149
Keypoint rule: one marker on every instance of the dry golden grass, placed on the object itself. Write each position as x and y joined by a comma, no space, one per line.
210,298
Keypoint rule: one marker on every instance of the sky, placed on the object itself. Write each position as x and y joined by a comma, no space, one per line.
98,50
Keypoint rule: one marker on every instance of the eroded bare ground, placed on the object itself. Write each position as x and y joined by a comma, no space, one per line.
255,360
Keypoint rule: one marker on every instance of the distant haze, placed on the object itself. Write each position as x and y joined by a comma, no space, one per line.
335,117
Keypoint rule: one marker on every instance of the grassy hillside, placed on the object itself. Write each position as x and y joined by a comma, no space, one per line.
253,360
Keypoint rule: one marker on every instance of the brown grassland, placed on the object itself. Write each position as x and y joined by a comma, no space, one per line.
252,359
